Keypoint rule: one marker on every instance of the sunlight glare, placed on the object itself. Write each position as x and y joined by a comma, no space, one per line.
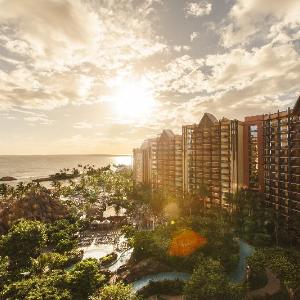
133,100
123,160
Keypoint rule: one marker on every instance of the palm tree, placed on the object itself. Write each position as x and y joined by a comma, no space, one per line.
203,194
4,190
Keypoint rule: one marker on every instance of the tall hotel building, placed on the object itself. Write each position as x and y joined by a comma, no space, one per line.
213,156
137,165
168,177
261,153
145,163
159,162
282,162
272,160
254,152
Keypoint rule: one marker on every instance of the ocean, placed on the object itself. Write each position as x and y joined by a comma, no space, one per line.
28,167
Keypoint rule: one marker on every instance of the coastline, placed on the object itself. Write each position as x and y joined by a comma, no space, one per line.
27,168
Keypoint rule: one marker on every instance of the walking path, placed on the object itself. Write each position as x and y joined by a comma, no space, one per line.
166,297
271,288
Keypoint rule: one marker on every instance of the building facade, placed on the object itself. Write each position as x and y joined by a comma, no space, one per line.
212,156
272,161
262,153
282,164
144,162
254,152
137,165
168,176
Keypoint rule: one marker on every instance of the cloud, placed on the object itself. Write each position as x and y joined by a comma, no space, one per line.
58,52
247,19
181,48
240,68
38,118
232,84
83,125
178,76
7,116
197,9
244,82
194,35
56,31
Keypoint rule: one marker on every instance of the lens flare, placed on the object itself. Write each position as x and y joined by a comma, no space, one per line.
185,243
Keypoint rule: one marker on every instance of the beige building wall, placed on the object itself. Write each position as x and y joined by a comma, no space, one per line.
168,163
138,165
213,156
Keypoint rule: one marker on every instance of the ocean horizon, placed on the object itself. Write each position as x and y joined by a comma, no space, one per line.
66,154
28,167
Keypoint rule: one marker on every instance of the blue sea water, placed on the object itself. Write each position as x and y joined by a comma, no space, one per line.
27,167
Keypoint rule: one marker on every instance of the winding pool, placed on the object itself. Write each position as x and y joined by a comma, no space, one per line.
97,251
145,280
237,276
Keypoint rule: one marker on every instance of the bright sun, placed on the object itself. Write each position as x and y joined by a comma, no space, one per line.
133,100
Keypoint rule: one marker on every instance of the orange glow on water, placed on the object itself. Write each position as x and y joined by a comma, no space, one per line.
185,243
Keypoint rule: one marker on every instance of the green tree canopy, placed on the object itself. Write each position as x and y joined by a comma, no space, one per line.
118,291
209,282
46,287
85,278
24,241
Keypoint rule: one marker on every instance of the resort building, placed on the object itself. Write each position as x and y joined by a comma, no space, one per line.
213,157
282,163
272,161
254,152
261,153
137,165
144,162
168,175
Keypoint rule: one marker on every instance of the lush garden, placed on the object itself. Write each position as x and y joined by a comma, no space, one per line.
41,227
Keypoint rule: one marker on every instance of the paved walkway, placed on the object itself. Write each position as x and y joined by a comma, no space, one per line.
166,297
271,288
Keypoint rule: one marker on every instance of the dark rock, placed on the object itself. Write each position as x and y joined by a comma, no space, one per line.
7,178
145,267
122,269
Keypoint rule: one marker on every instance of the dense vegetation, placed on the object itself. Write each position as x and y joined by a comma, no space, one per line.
166,287
31,201
218,241
209,281
284,262
38,246
31,269
40,228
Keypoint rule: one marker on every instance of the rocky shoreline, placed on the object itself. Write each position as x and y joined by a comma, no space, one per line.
57,176
53,177
8,178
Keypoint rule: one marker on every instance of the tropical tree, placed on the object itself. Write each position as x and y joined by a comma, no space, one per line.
61,235
4,272
209,281
203,193
24,241
257,265
118,291
288,272
85,278
46,287
285,263
48,261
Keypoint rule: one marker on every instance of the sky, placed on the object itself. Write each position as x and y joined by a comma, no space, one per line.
88,76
